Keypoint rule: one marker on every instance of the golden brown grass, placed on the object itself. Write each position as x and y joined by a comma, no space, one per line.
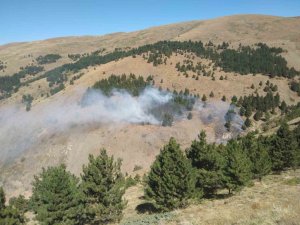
271,202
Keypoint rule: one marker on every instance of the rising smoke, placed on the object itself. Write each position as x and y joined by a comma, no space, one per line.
20,130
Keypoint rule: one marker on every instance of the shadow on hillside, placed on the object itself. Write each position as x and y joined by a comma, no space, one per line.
146,207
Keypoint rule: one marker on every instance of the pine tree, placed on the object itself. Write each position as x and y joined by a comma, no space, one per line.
258,115
103,186
284,148
296,155
238,167
208,162
262,164
9,215
247,122
2,199
204,98
55,197
170,181
257,153
234,100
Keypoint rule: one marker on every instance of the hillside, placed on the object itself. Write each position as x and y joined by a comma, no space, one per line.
245,29
52,113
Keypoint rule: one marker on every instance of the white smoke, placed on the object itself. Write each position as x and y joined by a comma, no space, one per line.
19,129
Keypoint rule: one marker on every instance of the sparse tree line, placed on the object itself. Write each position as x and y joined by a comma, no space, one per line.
132,84
199,69
260,59
47,59
258,107
12,83
176,179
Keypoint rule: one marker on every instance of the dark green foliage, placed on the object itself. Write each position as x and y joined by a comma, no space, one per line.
9,215
295,86
57,89
261,59
55,76
224,98
27,100
283,148
190,116
170,181
8,83
184,100
3,66
237,171
283,107
56,198
46,59
258,115
208,162
167,120
234,99
262,164
224,45
247,122
259,104
295,161
2,199
74,57
134,85
204,98
19,203
211,94
258,154
103,186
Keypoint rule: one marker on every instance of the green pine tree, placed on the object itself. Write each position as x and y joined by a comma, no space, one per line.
2,199
103,186
283,149
171,180
238,167
9,215
258,154
208,162
56,198
262,164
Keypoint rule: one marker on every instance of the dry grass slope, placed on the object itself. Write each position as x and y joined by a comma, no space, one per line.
274,201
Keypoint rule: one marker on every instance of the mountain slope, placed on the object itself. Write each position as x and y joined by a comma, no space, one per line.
245,29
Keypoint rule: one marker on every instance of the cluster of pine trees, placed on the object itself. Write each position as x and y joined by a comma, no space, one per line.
59,197
260,106
176,178
10,83
260,59
49,58
132,84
